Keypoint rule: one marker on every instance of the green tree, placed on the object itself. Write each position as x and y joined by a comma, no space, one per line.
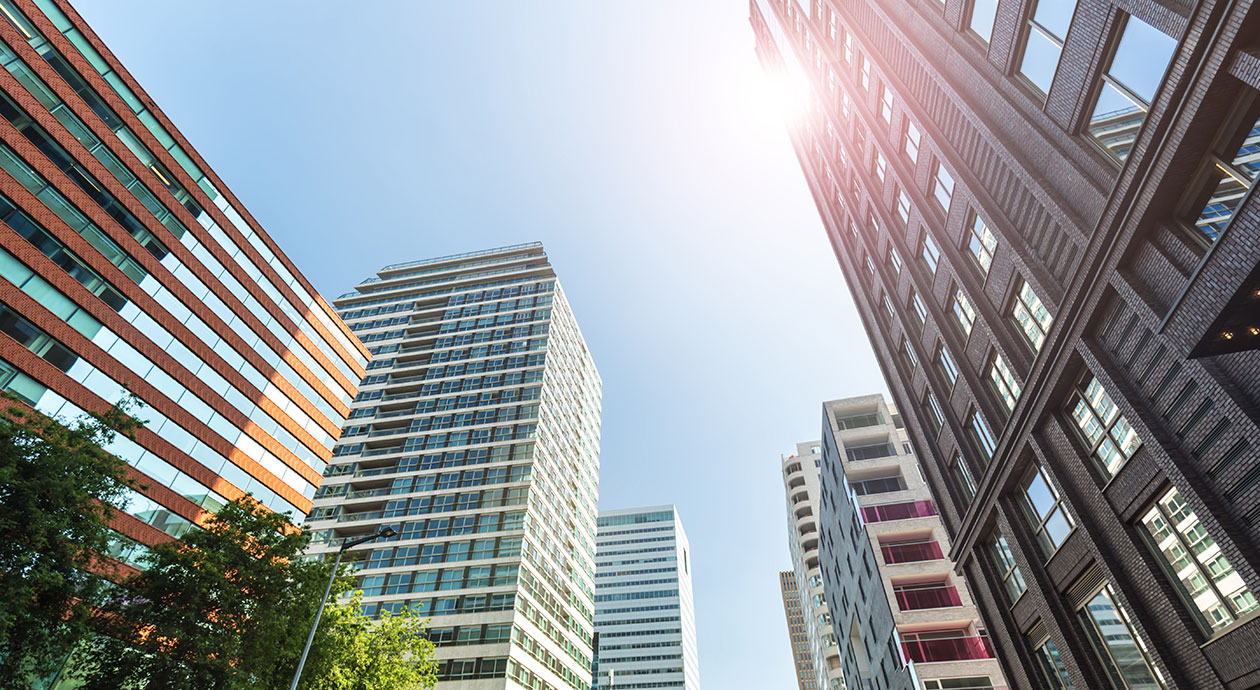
58,491
229,607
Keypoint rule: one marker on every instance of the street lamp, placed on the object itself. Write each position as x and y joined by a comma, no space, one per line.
383,534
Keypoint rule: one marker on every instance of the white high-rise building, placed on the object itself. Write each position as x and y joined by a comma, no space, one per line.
476,437
643,606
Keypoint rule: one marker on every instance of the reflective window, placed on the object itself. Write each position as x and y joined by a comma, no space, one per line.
983,14
885,104
1128,84
933,408
1032,316
1004,559
964,312
943,186
1205,575
881,166
982,243
917,306
1044,510
1004,382
981,436
1051,666
1121,651
962,474
903,206
1231,172
910,141
945,362
931,253
1043,41
1108,434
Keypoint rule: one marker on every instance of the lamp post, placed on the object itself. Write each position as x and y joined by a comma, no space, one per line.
383,534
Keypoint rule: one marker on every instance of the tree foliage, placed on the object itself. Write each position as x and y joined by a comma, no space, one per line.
58,491
230,606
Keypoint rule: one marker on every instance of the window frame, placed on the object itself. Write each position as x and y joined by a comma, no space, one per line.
1038,523
1002,385
938,183
1082,396
946,365
978,247
1020,302
1097,638
961,306
907,140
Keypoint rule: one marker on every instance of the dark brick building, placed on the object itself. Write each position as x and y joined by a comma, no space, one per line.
1043,211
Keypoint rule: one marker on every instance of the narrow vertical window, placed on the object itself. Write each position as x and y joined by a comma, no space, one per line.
910,141
903,206
888,309
1044,34
981,436
982,243
1004,560
881,166
1109,436
1044,509
964,313
983,15
1128,85
894,260
908,354
962,476
864,67
917,306
885,104
933,408
945,362
1004,382
943,187
1031,315
1051,666
931,253
1119,648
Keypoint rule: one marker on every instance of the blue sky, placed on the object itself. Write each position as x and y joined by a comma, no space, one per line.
634,139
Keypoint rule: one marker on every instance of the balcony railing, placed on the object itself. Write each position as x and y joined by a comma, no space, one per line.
898,511
949,649
911,552
928,598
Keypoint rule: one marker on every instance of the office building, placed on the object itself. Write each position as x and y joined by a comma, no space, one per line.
905,618
802,654
643,605
475,435
128,265
802,491
1044,213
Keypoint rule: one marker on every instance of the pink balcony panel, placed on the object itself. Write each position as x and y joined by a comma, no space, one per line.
951,649
898,511
911,552
934,598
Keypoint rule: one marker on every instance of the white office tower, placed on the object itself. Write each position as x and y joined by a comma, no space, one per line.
643,606
476,437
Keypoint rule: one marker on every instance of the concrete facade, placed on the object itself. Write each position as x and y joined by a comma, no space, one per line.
476,437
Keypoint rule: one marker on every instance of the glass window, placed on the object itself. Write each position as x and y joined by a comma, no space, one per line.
964,313
881,166
962,474
983,14
917,306
864,68
982,243
1004,382
885,104
981,436
1043,41
910,141
1205,575
933,408
1044,510
1051,666
931,253
1123,654
1127,86
1032,316
903,206
894,259
908,354
943,186
1004,559
1231,171
1108,434
945,362
888,309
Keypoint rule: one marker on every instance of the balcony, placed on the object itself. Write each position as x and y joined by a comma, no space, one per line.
947,649
911,552
928,598
898,511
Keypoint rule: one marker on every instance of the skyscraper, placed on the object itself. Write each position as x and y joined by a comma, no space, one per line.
643,606
476,437
802,493
127,264
904,616
1044,213
802,654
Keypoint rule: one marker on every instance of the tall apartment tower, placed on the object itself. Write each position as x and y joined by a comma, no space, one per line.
128,265
906,618
802,654
643,606
1044,212
801,484
476,437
